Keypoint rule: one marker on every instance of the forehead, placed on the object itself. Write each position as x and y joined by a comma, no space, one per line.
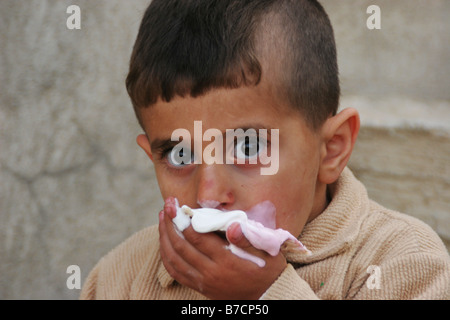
219,108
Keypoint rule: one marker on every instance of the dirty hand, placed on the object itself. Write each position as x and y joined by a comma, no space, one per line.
201,261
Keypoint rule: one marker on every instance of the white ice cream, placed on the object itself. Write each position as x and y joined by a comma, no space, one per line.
206,220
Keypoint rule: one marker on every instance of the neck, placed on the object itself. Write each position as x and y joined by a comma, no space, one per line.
321,204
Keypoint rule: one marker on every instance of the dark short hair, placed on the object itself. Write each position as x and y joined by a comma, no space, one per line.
187,47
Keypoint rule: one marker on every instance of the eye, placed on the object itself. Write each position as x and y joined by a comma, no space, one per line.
179,156
248,148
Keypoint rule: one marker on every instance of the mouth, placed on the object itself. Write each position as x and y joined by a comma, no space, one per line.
205,220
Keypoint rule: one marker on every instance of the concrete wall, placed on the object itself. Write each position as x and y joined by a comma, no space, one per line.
73,183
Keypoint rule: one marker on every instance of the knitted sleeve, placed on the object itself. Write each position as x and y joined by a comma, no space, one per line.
411,264
289,286
88,291
412,276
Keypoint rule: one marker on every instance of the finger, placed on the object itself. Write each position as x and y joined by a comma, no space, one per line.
170,207
209,244
187,276
183,248
243,247
236,236
175,265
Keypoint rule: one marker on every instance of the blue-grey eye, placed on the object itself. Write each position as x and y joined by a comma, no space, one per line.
248,147
180,156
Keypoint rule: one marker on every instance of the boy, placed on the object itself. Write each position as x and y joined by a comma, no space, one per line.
270,65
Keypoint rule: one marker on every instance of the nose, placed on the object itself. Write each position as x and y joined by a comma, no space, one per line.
214,187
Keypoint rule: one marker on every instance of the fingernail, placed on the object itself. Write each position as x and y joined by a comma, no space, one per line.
171,212
233,234
170,201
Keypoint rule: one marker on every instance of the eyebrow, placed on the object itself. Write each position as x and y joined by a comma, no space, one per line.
163,144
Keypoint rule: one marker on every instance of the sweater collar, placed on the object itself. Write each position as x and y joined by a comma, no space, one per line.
164,278
330,233
337,227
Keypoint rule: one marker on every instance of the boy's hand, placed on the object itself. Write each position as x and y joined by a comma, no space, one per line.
202,262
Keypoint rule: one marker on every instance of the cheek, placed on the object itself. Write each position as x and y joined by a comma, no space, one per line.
292,216
293,198
171,186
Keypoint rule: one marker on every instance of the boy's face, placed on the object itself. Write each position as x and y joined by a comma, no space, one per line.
294,190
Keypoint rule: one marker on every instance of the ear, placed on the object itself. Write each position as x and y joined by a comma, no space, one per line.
142,141
339,135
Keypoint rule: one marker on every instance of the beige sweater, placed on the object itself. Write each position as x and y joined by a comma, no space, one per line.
360,250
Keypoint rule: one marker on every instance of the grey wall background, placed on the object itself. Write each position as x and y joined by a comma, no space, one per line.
73,183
